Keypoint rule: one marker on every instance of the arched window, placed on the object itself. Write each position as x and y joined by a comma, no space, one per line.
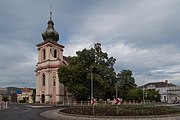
55,53
43,79
44,54
54,82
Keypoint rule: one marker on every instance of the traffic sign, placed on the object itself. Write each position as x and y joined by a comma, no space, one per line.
92,101
116,100
18,92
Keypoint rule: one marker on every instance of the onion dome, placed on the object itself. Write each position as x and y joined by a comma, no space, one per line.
50,33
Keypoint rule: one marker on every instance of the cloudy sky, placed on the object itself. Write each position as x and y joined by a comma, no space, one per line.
143,35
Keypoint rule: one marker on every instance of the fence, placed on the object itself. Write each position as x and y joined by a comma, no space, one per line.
88,103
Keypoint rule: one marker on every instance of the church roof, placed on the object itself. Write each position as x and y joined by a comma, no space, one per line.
50,33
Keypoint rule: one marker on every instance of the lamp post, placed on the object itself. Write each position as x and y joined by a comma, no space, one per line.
92,89
116,90
143,86
91,77
91,85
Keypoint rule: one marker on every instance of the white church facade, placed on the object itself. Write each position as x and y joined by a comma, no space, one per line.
50,57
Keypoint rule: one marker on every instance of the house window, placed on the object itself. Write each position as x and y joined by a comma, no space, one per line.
165,98
55,53
43,80
44,54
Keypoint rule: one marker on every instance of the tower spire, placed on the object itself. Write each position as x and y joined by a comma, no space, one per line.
51,12
50,33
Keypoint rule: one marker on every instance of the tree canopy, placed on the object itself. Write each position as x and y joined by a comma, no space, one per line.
96,64
77,75
125,82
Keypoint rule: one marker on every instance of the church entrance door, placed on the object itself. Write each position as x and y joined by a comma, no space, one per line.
43,98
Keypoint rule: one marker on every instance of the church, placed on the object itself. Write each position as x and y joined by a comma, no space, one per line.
50,58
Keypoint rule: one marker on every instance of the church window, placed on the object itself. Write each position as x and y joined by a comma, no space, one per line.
43,80
44,54
54,82
55,53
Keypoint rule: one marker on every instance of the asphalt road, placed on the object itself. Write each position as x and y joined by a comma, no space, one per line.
23,112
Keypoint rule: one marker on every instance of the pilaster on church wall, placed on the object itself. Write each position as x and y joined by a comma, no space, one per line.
37,84
48,52
61,54
57,84
47,78
40,55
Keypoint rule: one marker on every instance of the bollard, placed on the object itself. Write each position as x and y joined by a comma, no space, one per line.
105,102
81,103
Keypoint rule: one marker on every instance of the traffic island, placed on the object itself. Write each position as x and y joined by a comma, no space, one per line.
109,113
122,110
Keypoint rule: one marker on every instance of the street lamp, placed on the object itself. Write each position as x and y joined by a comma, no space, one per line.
116,90
91,75
91,85
143,86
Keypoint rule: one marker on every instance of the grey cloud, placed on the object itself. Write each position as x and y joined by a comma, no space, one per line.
141,35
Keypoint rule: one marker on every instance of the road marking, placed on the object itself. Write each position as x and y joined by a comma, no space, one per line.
37,106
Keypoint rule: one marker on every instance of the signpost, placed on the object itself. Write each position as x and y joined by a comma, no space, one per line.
18,92
117,101
92,103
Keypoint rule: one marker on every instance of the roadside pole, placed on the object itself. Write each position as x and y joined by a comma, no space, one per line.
117,102
92,100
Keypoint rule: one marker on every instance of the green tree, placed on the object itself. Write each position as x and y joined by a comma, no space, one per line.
135,94
77,75
125,82
152,95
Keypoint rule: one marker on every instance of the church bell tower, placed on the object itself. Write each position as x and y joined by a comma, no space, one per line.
50,57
